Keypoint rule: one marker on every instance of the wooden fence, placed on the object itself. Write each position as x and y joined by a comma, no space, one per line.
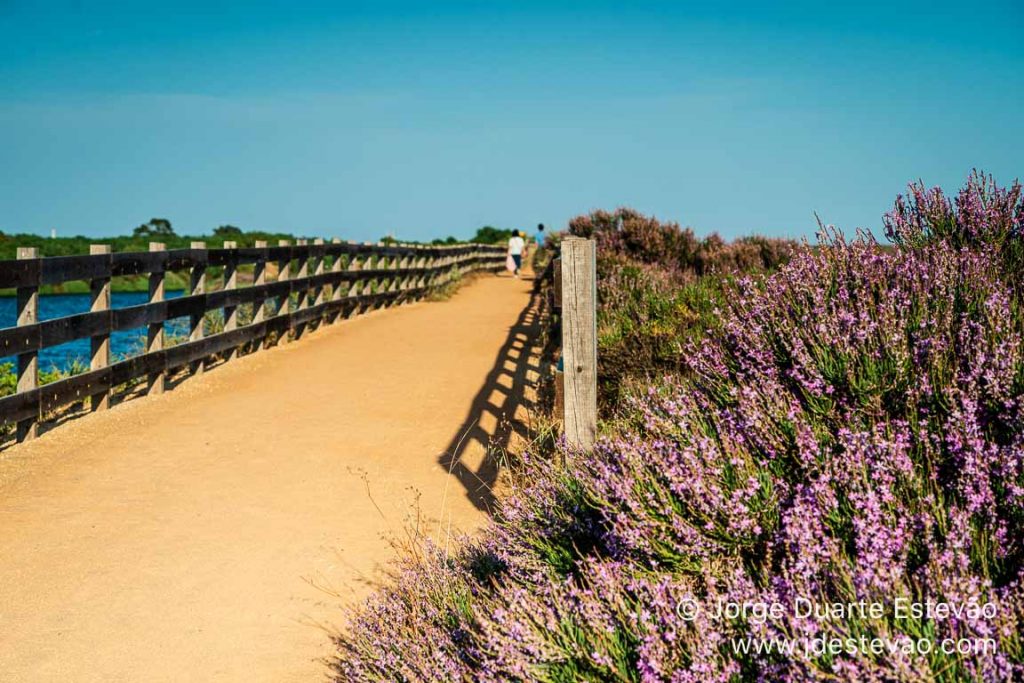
315,284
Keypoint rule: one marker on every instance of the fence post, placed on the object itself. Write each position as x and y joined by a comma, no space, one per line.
407,261
336,287
100,343
197,286
28,363
259,278
372,262
420,280
579,340
155,332
302,300
231,282
318,290
284,267
355,288
434,263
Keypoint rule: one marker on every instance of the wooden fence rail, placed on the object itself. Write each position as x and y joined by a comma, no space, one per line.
308,292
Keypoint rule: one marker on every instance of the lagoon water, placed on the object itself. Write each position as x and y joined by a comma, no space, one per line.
126,343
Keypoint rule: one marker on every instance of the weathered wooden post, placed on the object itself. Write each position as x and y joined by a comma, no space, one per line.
28,362
318,269
155,331
385,282
556,306
579,340
259,278
302,273
371,284
437,265
423,264
197,286
446,266
99,344
336,290
355,287
231,282
284,273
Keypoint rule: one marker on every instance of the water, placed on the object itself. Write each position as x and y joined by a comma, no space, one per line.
124,343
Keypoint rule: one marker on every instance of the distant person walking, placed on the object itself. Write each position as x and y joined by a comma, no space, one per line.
540,235
516,247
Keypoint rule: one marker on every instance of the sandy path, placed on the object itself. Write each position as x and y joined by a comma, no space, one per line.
177,537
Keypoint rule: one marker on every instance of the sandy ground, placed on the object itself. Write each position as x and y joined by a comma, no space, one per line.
191,536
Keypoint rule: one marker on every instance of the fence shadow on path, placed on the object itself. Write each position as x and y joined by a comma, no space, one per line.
497,411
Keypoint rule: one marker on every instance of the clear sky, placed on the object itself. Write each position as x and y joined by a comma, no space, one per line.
427,119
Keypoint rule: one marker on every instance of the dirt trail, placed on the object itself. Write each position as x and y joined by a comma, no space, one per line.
185,537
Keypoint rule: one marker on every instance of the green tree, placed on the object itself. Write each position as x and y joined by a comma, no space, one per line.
227,231
156,227
491,235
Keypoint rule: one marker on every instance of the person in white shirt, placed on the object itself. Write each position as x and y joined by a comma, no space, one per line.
516,246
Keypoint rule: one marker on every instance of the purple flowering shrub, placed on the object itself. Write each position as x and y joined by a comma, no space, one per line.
863,444
983,216
627,233
658,287
851,430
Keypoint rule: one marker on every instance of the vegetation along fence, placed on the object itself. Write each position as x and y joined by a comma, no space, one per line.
292,287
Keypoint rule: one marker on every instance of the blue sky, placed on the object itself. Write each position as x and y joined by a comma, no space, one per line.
427,119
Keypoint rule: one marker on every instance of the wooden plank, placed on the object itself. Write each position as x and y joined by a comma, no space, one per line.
245,255
223,257
229,298
191,351
155,331
18,340
145,365
277,290
579,340
131,317
135,263
192,306
228,341
73,389
316,282
279,325
300,250
59,269
335,249
28,362
19,273
304,316
69,328
193,257
124,371
17,408
282,252
99,345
